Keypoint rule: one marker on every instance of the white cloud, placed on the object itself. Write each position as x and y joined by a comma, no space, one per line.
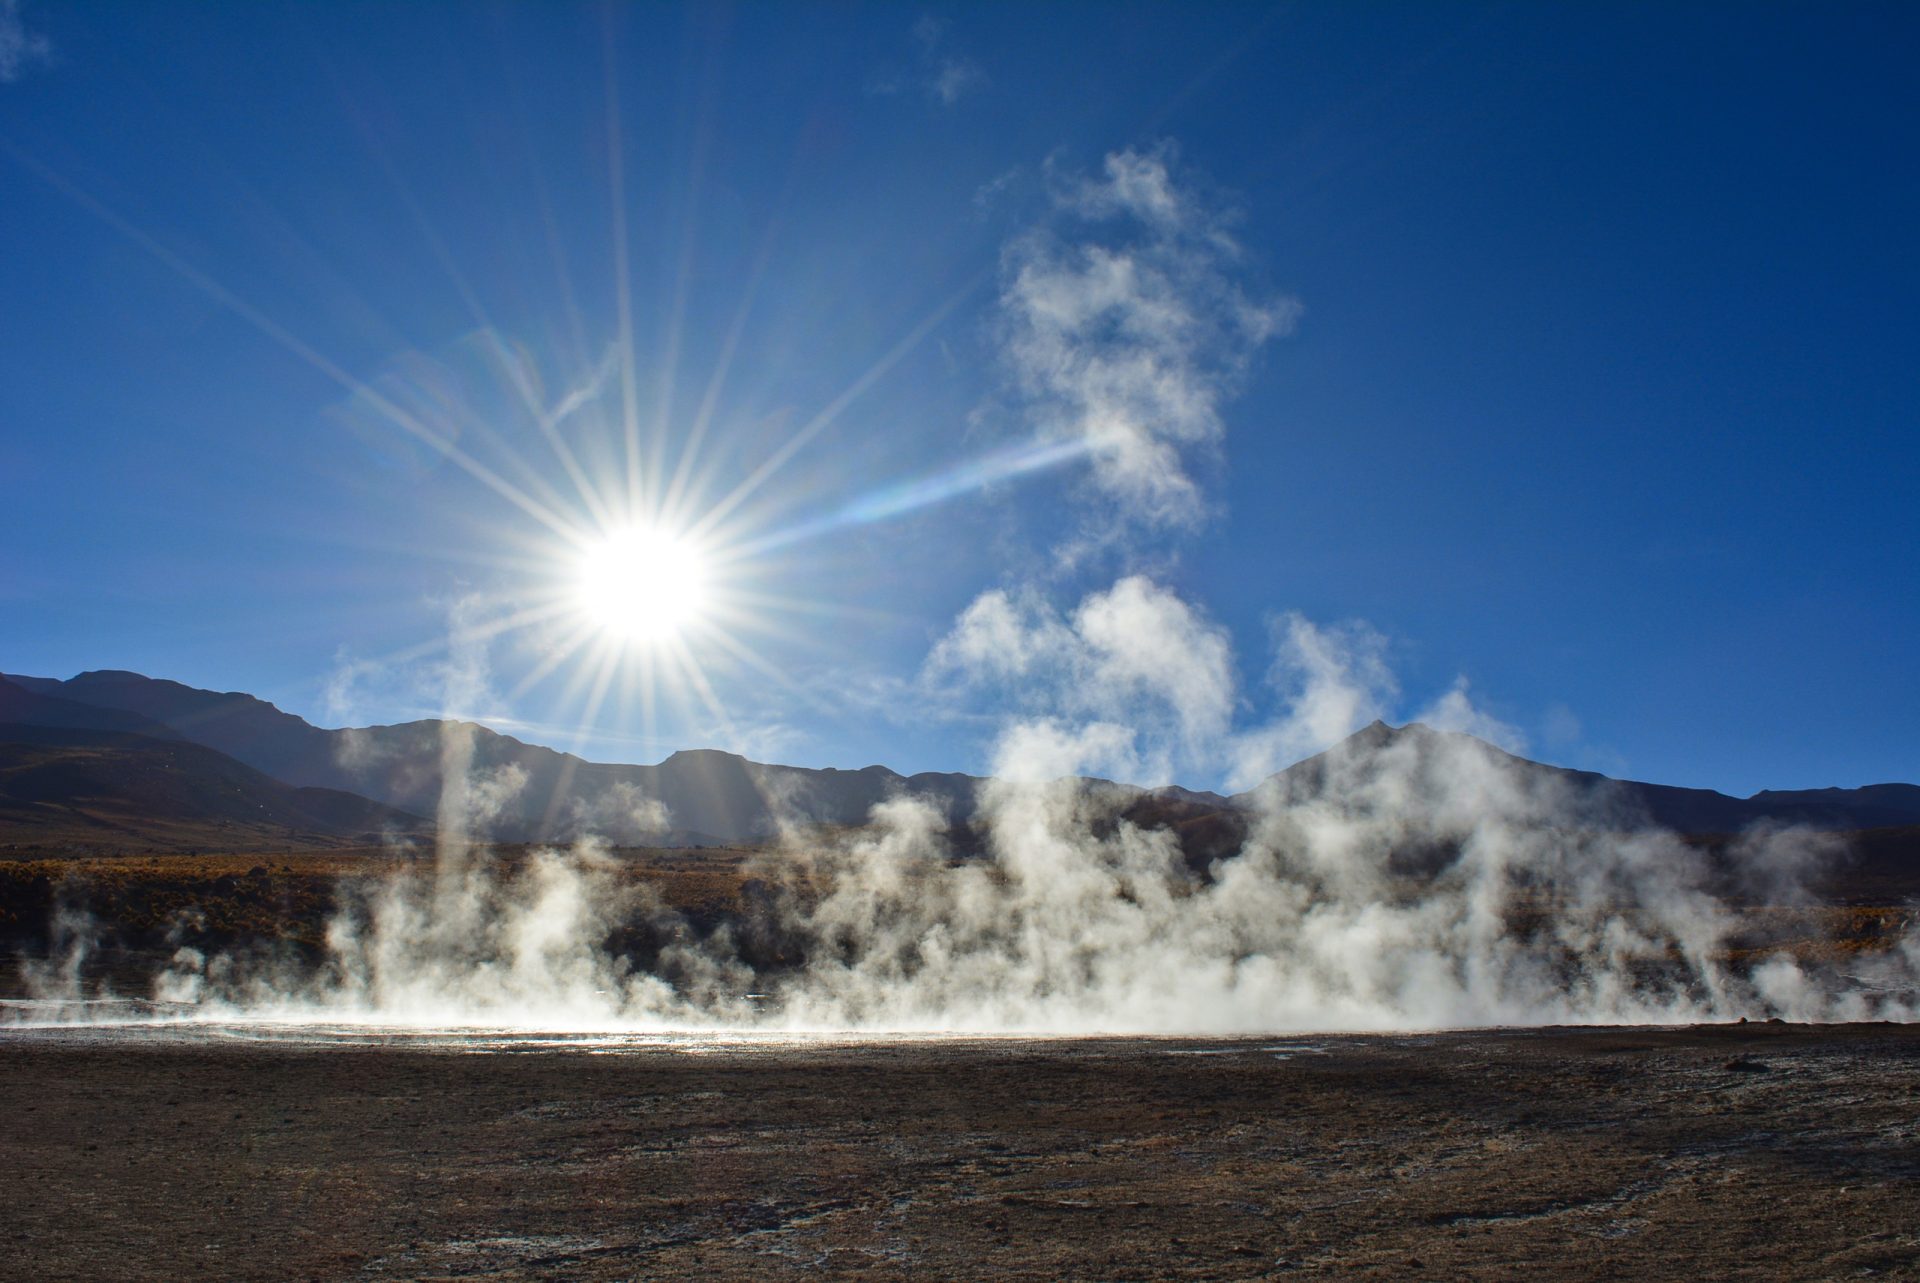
1127,324
955,78
994,637
1146,643
1134,183
1044,749
1136,654
19,48
990,193
1456,711
1333,679
1124,326
942,73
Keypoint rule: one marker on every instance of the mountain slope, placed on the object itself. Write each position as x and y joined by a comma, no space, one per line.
1432,765
237,724
1873,805
21,705
68,784
708,795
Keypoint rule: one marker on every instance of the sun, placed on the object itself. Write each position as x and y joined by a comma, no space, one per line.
643,584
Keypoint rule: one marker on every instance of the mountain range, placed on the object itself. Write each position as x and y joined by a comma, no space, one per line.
119,746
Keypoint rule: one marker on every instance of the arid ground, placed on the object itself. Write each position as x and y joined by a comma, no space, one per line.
1759,1151
1747,1151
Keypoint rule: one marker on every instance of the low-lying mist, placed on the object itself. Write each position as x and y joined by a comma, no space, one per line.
1422,882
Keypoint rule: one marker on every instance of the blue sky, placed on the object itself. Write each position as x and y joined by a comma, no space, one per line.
1544,370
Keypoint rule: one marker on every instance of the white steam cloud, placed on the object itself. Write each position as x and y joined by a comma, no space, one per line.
1421,881
1125,327
1134,656
1405,880
1413,880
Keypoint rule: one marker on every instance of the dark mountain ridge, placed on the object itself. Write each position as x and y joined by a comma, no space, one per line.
710,795
1438,763
62,784
36,702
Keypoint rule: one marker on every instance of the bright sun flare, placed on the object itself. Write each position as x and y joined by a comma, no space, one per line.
643,584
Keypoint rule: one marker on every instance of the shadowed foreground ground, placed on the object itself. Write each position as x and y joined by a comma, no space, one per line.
1748,1151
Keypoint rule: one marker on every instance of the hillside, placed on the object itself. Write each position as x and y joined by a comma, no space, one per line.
112,789
713,797
1431,768
709,796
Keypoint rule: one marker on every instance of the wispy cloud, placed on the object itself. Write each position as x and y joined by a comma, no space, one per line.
1125,324
1135,655
941,71
956,78
19,47
1331,679
1456,711
947,76
1128,320
991,192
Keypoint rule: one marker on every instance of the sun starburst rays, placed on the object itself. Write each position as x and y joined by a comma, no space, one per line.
638,552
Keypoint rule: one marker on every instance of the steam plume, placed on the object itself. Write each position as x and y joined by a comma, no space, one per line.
1407,881
1413,881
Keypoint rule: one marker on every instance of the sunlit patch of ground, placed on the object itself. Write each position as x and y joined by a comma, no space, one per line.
1758,1151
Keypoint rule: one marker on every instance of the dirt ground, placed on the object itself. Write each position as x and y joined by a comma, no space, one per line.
1757,1151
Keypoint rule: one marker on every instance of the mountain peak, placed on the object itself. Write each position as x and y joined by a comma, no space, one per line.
1379,734
1374,735
126,676
690,756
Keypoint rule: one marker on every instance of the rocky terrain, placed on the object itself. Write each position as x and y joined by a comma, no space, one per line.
1747,1151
